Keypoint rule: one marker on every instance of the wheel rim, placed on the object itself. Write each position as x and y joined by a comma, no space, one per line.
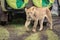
17,4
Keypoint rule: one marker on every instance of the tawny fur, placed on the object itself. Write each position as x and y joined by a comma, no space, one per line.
36,14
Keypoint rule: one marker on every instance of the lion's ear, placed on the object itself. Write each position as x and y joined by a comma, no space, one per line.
25,9
33,8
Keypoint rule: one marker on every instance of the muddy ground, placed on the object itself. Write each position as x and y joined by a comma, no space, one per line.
18,32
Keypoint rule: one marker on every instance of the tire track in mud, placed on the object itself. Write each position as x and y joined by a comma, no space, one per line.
56,22
22,37
56,30
57,33
56,26
43,36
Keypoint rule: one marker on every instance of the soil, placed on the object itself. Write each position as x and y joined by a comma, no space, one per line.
13,34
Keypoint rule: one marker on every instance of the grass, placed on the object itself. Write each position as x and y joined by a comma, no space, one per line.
19,29
51,35
34,36
59,37
4,34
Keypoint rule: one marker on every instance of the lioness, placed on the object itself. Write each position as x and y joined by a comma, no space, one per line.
36,14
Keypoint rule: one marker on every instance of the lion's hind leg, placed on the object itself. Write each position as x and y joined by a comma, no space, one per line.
50,21
49,17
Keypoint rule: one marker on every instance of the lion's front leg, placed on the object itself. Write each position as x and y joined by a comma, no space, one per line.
35,25
41,23
27,23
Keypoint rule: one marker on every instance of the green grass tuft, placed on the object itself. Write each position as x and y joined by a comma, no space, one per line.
20,29
51,35
4,34
34,36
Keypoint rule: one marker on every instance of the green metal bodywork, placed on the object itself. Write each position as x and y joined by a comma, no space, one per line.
43,3
18,5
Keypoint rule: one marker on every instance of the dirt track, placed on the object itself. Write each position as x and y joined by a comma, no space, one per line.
14,32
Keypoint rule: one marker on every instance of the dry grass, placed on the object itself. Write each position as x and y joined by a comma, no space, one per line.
4,34
51,35
18,29
34,36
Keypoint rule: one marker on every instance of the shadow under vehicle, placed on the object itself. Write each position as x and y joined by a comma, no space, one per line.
7,12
